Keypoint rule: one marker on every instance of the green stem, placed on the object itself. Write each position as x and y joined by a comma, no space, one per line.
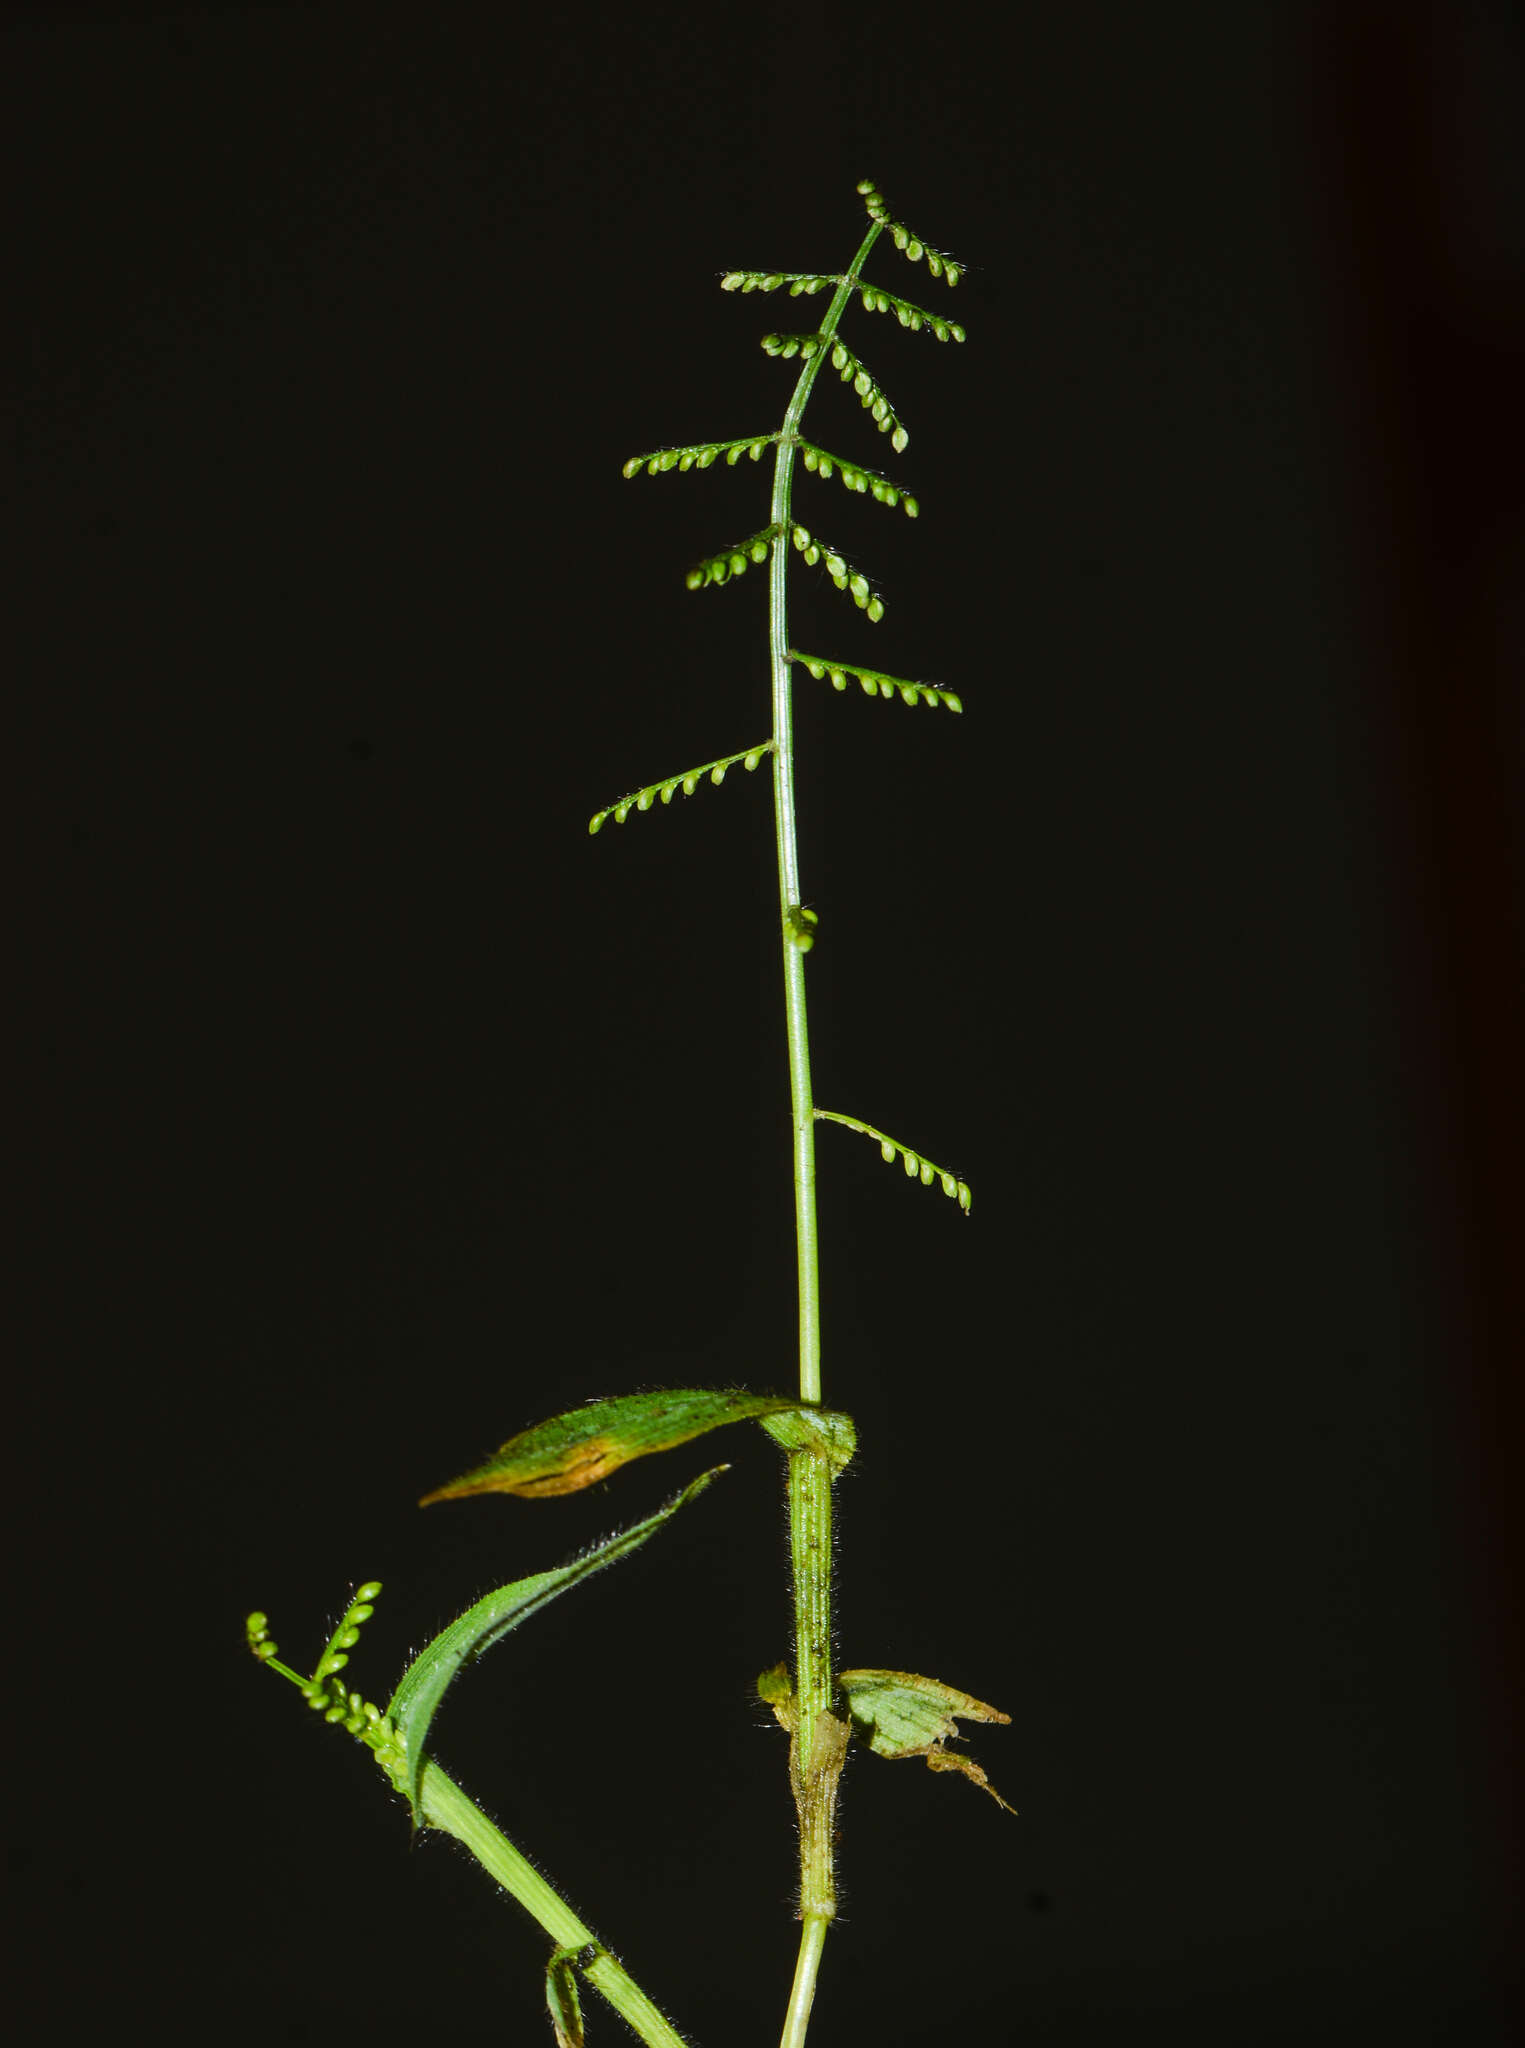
802,1993
443,1805
815,1752
447,1807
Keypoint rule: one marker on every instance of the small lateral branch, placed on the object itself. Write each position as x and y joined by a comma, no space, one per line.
911,245
917,1166
733,561
840,570
875,683
822,462
876,300
688,782
800,282
698,455
326,1693
873,400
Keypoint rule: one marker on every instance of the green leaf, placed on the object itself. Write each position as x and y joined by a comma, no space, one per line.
427,1679
586,1444
899,1714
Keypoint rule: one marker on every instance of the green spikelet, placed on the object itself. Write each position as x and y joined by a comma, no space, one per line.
840,570
822,463
700,455
911,245
916,1164
800,282
875,683
805,345
914,317
688,782
873,400
326,1693
734,560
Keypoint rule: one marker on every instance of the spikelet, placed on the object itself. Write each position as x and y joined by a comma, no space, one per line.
262,1645
912,246
914,317
916,1164
808,282
698,456
822,463
800,923
688,782
733,561
840,570
805,345
874,402
875,683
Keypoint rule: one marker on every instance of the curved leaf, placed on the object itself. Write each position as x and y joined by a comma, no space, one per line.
428,1678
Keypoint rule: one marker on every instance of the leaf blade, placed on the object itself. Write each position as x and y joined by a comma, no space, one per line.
584,1445
471,1635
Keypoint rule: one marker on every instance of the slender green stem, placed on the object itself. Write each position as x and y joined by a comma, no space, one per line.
447,1807
815,1751
802,1994
443,1805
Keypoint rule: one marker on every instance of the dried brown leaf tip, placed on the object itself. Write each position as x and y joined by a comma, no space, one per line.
900,1714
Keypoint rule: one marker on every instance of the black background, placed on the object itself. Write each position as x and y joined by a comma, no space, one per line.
380,1111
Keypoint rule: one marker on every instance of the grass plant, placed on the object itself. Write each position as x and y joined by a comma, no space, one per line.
893,1713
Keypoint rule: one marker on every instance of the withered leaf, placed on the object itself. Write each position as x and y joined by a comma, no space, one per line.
900,1714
